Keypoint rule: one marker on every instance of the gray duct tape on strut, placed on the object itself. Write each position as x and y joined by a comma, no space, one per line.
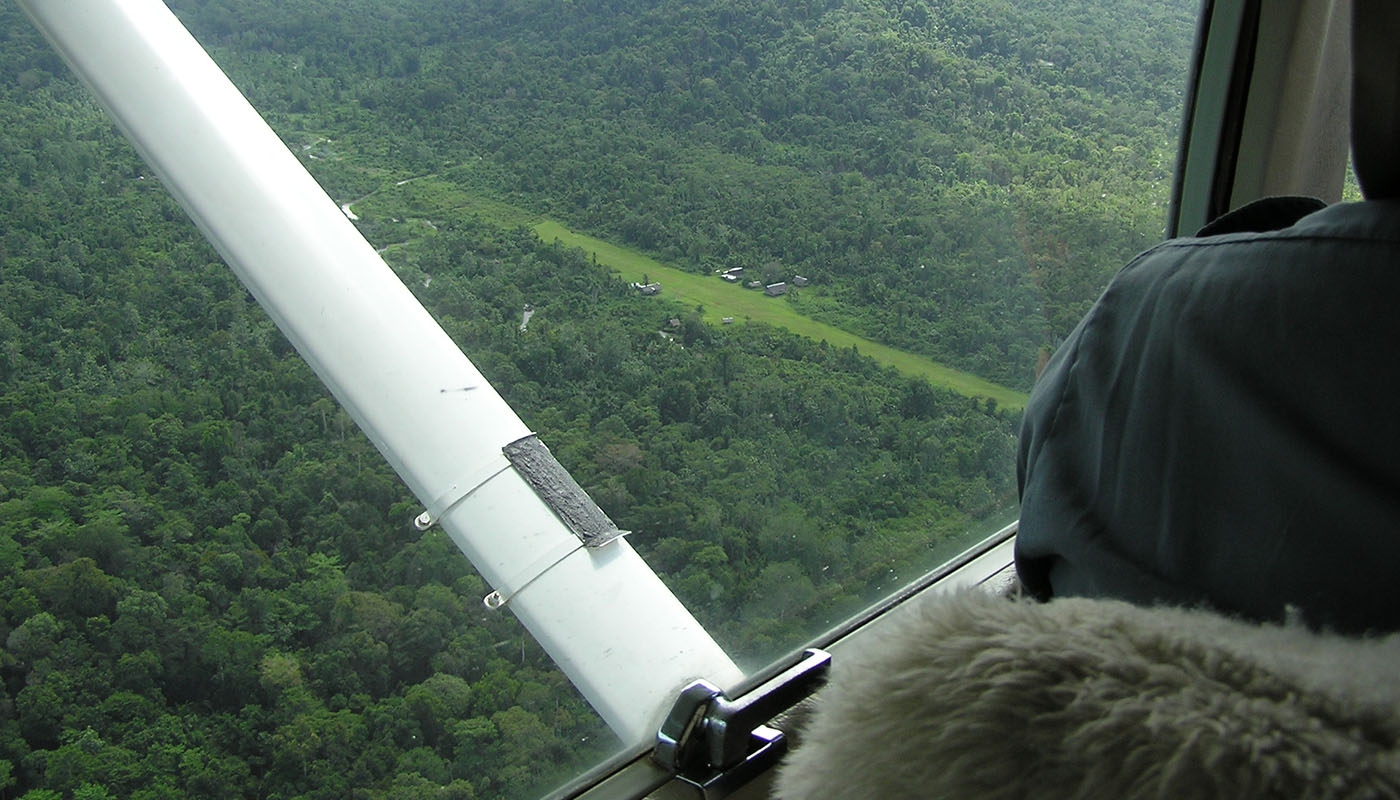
558,489
552,484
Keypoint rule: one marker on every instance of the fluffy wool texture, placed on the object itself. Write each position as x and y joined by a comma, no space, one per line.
976,696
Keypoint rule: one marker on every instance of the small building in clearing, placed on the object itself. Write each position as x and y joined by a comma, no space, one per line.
775,289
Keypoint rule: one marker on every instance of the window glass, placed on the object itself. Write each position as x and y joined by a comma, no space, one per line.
1351,190
867,224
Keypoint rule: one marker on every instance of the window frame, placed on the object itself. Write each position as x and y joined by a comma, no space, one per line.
1227,156
1250,74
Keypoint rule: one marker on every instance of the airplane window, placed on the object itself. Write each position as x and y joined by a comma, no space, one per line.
1351,190
771,279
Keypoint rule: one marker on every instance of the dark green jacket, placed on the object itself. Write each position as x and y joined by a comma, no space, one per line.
1222,428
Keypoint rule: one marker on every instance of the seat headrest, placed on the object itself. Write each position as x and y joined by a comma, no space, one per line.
1375,97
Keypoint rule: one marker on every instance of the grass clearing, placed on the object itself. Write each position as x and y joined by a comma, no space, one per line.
721,299
432,197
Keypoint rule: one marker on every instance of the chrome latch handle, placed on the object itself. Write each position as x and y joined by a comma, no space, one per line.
717,744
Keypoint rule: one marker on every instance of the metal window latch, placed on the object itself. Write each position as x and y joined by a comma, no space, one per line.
717,744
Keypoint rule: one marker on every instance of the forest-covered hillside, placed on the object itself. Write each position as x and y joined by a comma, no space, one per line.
956,178
209,584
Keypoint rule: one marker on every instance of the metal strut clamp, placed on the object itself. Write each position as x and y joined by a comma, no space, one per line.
717,745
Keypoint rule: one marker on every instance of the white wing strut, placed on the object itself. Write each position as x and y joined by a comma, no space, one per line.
601,613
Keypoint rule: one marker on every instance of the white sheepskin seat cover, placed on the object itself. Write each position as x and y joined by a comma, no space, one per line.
976,696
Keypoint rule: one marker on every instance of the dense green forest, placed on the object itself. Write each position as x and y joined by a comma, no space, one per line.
209,584
956,178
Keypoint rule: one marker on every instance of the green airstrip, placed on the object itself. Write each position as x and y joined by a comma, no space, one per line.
721,299
432,196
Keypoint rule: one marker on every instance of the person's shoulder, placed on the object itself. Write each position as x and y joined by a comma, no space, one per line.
1367,220
1269,239
1262,216
1302,217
